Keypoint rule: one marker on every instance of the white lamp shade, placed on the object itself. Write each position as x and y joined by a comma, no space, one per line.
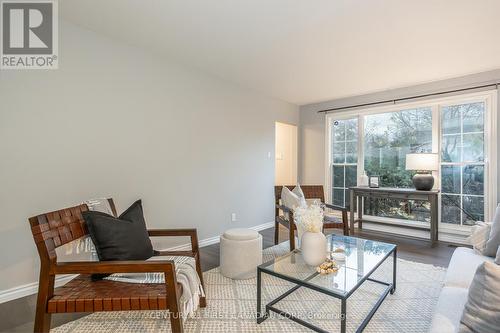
422,161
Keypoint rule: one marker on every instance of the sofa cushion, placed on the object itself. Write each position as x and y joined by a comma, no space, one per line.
462,267
449,310
291,200
494,240
479,236
481,312
298,192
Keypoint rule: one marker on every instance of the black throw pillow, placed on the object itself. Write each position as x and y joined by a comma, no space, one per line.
122,238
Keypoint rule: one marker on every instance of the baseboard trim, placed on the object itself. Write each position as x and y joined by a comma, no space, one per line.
263,226
216,239
32,288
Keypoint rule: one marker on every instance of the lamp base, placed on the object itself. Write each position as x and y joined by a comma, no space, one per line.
423,181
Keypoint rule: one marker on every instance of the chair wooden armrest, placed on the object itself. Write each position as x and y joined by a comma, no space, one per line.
175,253
135,266
335,207
172,232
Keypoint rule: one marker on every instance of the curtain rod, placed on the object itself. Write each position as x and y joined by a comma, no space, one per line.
394,101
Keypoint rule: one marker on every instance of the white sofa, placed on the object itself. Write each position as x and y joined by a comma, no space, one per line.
453,296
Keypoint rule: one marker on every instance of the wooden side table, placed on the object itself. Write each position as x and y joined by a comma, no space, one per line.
358,193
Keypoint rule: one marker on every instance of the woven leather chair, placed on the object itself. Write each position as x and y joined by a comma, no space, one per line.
310,192
81,294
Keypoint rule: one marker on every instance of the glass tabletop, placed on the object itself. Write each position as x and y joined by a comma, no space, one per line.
362,257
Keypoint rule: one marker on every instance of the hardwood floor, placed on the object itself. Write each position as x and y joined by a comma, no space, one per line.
408,248
418,250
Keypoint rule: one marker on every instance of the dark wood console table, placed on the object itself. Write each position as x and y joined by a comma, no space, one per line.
358,193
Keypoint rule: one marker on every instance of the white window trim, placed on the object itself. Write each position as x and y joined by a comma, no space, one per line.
490,123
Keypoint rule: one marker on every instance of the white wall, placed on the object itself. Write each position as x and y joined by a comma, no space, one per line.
115,121
312,123
286,154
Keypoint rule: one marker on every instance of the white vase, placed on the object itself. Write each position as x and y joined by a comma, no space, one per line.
313,246
300,232
363,180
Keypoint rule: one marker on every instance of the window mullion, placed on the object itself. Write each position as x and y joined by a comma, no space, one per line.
361,150
461,167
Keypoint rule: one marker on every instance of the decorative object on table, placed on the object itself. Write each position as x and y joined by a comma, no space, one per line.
423,164
338,254
374,181
327,267
309,221
363,180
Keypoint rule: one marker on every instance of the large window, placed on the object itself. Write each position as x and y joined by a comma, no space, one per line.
377,140
388,138
462,163
345,159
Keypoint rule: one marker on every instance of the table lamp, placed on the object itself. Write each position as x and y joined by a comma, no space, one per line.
424,164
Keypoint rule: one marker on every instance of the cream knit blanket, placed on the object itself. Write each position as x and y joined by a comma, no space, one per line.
185,269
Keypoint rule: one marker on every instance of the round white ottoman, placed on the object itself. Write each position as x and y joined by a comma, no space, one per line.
240,253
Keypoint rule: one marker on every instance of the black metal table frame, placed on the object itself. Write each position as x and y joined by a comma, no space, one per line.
390,288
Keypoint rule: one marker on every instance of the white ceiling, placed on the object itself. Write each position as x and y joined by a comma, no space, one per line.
305,51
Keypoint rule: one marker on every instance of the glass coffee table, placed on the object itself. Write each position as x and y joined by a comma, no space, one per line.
362,258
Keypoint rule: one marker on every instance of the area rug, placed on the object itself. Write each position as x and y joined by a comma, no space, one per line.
232,305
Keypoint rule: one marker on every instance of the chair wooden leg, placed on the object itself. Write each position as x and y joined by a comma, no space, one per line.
176,321
345,223
276,232
203,300
291,235
173,298
45,291
42,322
